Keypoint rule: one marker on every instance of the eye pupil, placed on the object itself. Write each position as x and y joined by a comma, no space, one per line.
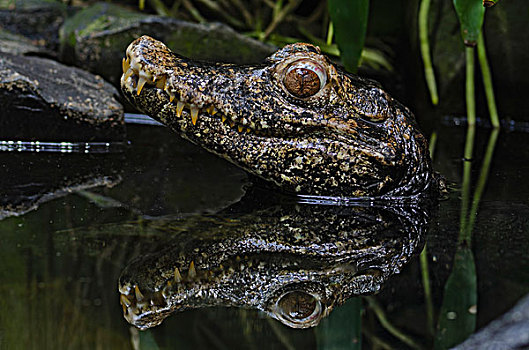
298,305
302,82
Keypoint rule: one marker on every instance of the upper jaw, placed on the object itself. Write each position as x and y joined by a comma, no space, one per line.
191,89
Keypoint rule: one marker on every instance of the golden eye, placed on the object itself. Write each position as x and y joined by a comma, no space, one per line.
304,78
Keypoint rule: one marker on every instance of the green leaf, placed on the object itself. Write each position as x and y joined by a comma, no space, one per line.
457,318
470,13
350,23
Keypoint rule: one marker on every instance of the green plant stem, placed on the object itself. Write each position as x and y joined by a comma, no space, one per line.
388,326
141,5
280,334
279,16
482,180
487,82
432,143
427,290
375,58
193,11
215,7
330,33
244,11
160,8
464,235
425,51
175,6
376,342
470,98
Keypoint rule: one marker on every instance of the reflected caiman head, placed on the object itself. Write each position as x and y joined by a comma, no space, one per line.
295,265
296,120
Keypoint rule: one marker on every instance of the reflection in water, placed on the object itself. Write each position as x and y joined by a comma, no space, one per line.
63,147
29,180
294,262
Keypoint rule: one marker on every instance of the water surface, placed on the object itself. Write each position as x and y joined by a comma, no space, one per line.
71,222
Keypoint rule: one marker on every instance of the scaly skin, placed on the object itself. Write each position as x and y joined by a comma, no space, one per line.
295,120
296,263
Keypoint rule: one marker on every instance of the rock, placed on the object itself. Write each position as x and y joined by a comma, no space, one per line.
43,100
38,20
510,331
32,179
96,38
16,44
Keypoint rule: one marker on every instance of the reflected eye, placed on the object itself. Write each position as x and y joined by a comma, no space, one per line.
304,78
299,309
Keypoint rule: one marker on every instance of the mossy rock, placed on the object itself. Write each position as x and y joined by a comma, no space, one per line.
96,38
17,44
37,20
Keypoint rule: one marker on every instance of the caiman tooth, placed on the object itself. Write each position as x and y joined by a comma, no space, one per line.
194,115
239,128
168,90
138,293
128,74
125,65
124,288
232,124
177,275
124,300
179,108
211,110
192,273
247,129
141,83
224,118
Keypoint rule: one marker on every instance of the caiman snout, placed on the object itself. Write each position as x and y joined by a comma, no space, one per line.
296,120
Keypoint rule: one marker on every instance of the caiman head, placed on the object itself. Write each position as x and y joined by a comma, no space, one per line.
296,120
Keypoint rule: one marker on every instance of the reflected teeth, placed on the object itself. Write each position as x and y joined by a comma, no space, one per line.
192,273
131,67
138,293
177,275
124,301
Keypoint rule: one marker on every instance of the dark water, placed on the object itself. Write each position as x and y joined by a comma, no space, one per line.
70,223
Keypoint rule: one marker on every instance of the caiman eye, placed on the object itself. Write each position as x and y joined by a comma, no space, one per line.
304,78
299,309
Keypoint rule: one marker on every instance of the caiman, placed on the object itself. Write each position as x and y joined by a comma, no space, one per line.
297,120
295,262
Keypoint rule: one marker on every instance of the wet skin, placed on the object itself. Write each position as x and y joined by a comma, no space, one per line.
296,120
294,262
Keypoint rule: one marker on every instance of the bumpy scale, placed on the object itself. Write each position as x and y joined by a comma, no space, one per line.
295,120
